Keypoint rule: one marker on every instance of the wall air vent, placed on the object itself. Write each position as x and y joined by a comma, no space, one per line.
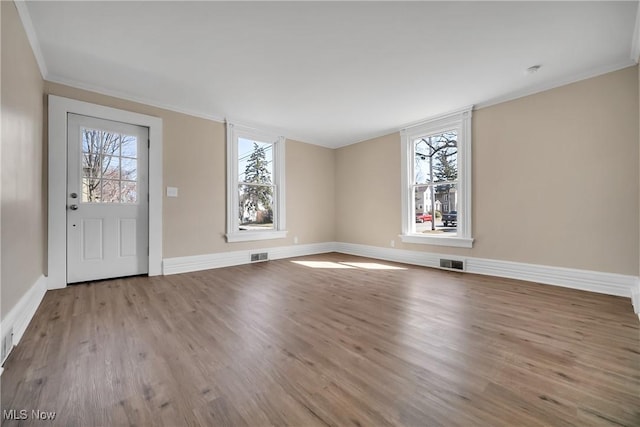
452,264
262,256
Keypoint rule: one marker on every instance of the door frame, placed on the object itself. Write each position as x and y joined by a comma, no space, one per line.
59,107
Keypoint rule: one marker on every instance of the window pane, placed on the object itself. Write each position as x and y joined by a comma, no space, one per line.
91,140
423,206
129,169
422,171
109,143
255,210
91,190
90,166
441,199
445,160
255,161
436,158
110,167
110,191
129,146
128,192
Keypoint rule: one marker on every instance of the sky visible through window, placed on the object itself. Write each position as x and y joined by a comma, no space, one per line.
439,151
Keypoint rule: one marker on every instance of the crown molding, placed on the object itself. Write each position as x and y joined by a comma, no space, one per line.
127,97
444,116
594,72
27,24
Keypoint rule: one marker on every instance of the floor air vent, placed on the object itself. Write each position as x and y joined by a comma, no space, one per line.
262,256
452,264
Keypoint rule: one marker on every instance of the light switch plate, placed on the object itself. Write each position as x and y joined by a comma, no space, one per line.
172,192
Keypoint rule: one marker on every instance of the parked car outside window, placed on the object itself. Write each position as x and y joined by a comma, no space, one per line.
423,217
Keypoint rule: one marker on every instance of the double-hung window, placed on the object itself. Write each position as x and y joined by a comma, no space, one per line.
255,184
436,181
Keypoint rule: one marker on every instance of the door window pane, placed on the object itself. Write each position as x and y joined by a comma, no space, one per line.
91,190
109,167
90,166
110,191
129,146
129,169
91,141
128,192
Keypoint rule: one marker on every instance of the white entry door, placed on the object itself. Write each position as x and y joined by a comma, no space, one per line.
107,199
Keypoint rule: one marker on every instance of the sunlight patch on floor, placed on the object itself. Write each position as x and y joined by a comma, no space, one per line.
361,265
321,264
372,266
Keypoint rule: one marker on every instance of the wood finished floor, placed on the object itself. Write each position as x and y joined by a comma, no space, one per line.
327,340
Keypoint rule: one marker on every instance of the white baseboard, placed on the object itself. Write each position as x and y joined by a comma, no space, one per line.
586,280
228,259
21,314
635,297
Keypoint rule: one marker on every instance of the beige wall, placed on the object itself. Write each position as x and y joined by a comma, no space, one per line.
555,180
195,162
23,209
368,192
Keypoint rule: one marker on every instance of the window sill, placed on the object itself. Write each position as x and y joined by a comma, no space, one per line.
248,236
458,242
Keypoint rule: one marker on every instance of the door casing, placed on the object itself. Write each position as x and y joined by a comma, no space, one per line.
59,107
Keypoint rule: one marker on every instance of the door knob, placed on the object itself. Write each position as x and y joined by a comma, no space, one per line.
74,195
73,207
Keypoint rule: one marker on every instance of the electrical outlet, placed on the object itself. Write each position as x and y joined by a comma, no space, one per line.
172,192
393,244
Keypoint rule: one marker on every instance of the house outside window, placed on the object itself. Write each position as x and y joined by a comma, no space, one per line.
255,184
436,179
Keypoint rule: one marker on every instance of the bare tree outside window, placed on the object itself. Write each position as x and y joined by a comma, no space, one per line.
436,171
109,167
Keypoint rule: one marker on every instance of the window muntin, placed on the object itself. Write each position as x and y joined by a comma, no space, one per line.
436,170
109,167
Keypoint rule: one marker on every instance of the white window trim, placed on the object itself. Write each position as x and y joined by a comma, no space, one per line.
460,121
235,131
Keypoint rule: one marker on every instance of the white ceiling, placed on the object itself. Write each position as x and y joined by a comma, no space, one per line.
328,73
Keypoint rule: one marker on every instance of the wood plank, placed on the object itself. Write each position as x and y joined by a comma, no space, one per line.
327,340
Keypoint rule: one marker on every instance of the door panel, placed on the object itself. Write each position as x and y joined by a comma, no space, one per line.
91,239
107,199
128,237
